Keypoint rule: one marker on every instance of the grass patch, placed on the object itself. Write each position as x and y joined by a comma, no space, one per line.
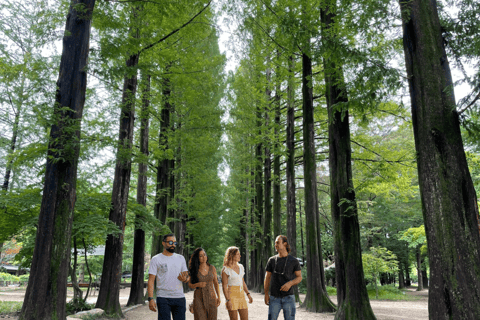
388,292
7,307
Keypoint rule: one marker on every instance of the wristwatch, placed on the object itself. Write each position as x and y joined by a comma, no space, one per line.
150,298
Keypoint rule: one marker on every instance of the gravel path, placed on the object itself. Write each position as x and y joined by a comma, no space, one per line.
384,310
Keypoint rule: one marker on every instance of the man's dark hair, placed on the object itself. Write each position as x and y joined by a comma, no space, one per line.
284,240
166,236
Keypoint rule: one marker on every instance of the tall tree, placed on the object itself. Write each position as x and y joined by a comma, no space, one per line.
316,299
352,295
45,297
449,201
109,293
136,290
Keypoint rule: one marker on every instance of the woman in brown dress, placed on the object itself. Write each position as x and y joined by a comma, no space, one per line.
203,278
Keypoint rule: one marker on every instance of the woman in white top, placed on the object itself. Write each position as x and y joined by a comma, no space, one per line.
233,284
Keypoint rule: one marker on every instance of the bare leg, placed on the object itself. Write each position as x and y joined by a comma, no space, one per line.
243,314
233,314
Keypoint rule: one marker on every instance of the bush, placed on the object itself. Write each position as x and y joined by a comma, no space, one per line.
7,307
8,277
24,278
332,291
77,305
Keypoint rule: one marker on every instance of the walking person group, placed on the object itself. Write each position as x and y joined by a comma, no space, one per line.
170,272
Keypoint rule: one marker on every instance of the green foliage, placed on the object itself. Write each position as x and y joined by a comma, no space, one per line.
415,237
9,307
9,277
378,260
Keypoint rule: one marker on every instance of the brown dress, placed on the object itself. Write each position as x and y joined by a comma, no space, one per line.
204,299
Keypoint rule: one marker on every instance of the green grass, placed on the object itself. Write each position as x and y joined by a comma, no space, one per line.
7,307
388,292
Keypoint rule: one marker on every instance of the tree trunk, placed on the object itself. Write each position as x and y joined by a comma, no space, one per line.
408,282
258,203
253,235
316,299
425,279
290,165
449,201
352,295
267,218
45,297
163,168
13,141
109,294
301,231
246,233
77,292
277,213
419,270
138,266
401,279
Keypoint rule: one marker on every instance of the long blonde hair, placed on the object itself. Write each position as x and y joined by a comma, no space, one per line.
229,254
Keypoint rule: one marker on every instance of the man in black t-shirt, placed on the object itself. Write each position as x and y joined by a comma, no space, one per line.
282,273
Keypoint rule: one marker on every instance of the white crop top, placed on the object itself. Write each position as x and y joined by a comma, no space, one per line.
235,279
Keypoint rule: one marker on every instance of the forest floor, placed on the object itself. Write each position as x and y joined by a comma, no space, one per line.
384,310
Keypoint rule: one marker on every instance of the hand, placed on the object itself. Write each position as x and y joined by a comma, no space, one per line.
229,305
201,284
250,299
183,276
152,305
267,299
286,286
218,301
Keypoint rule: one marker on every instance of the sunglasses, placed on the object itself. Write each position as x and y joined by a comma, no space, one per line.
171,242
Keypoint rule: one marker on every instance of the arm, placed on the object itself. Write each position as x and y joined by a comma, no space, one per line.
225,289
215,284
151,304
183,276
266,285
250,299
289,284
196,285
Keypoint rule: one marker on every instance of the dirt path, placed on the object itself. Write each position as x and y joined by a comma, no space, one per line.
384,310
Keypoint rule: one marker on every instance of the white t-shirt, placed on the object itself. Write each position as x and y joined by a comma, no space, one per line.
167,269
235,279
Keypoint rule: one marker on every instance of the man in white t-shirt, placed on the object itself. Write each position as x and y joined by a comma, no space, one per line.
170,269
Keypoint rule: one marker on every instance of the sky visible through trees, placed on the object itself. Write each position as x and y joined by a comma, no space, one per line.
351,127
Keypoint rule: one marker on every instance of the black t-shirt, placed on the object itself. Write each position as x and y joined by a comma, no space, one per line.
283,270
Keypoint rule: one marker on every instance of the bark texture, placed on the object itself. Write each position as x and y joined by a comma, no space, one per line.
109,294
137,289
449,201
45,297
316,299
352,295
258,272
164,166
290,161
277,213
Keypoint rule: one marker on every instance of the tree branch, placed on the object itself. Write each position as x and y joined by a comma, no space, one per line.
176,30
